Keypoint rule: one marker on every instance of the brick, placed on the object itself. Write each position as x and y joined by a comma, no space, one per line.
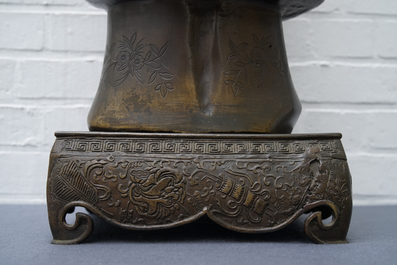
380,7
329,6
347,83
20,126
29,181
58,79
353,126
363,130
65,3
343,38
42,2
21,31
65,118
76,32
297,38
383,130
386,39
373,174
7,77
35,127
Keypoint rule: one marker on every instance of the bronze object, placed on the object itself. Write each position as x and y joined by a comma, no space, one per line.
247,183
196,66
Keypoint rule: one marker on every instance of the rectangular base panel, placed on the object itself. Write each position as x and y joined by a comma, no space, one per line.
250,183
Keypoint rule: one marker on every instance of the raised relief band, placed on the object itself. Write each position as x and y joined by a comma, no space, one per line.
153,146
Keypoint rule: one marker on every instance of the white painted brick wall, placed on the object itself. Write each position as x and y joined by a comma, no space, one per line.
343,59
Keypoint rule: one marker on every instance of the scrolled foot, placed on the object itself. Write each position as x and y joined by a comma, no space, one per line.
66,234
333,233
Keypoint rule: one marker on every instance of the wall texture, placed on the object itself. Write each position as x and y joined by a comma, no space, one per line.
343,59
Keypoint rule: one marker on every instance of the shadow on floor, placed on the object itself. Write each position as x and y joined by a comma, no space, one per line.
201,230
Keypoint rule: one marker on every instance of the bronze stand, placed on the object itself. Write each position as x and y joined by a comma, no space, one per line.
247,183
217,68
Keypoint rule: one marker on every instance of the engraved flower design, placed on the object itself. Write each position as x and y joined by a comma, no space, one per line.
129,58
136,63
257,54
122,58
263,61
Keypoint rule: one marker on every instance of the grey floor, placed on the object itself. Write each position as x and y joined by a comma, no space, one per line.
25,239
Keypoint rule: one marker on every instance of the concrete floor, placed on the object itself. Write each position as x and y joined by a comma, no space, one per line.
25,239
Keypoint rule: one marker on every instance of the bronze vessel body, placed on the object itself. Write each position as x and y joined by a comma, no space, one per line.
196,66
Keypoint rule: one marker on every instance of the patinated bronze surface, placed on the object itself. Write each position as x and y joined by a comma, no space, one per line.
197,66
248,183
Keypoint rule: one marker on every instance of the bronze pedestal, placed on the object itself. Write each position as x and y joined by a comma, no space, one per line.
248,183
210,71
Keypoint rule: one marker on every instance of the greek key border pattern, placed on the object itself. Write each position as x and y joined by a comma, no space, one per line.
196,146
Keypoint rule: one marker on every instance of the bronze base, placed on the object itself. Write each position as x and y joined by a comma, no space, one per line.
249,183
